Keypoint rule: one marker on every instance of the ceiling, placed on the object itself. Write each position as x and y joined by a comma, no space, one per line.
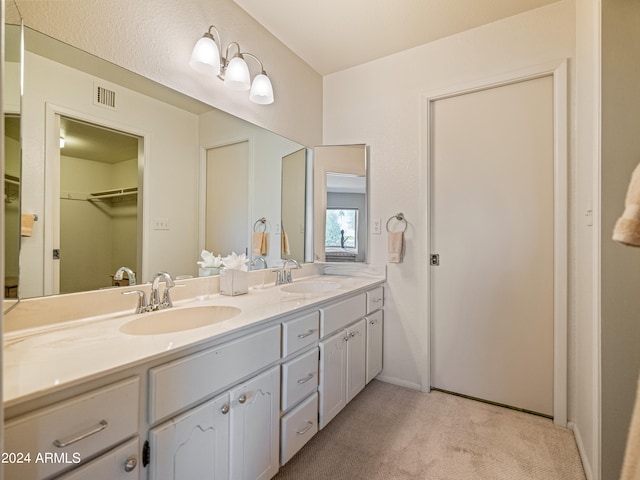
333,35
99,144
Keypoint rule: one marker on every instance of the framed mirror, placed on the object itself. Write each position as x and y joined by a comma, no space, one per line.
173,134
340,203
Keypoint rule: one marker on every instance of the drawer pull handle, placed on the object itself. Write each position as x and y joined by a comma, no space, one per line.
305,379
306,429
242,398
305,335
81,436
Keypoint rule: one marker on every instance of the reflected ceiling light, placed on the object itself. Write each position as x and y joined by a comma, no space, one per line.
61,142
206,59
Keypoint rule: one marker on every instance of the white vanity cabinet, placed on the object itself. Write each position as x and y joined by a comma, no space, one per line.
342,369
375,321
121,463
235,435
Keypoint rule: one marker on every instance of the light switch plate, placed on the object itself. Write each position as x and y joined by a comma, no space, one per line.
376,228
161,224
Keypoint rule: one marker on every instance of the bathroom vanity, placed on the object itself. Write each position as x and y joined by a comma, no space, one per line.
233,399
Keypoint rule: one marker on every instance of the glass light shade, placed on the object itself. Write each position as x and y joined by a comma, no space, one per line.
205,57
236,76
261,90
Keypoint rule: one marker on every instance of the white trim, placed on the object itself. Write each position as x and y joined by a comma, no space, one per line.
398,381
581,451
558,70
52,187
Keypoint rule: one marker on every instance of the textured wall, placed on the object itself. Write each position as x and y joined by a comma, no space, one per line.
154,38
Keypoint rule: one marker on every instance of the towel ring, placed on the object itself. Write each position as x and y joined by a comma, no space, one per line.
256,225
399,217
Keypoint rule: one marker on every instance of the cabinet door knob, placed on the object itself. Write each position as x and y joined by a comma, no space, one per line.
225,409
242,398
130,464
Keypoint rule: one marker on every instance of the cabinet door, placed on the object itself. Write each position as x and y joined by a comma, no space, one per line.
333,376
192,445
255,427
374,344
356,358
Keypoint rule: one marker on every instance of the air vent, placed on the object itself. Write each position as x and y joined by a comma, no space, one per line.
104,97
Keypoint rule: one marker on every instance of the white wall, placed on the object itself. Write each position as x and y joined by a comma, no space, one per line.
371,103
155,39
171,165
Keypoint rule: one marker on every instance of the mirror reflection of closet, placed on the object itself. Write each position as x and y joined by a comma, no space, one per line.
99,205
293,205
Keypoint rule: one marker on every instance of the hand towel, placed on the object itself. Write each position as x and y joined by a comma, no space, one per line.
264,245
285,244
627,228
395,245
631,465
257,243
26,224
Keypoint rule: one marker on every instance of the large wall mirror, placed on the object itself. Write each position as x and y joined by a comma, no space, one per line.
114,170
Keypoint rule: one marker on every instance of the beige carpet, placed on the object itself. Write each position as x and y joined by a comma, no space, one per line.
389,432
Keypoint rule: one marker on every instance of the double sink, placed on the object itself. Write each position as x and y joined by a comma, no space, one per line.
186,318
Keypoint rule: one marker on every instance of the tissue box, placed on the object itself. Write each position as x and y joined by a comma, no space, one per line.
233,282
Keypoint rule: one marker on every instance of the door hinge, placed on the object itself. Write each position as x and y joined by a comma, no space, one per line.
146,453
435,259
56,254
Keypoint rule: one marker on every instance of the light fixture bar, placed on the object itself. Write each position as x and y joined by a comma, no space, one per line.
234,71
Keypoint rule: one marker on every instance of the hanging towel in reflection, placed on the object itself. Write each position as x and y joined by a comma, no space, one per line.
285,244
395,244
260,243
627,228
26,224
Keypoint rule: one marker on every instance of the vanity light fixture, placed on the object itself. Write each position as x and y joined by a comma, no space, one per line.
234,71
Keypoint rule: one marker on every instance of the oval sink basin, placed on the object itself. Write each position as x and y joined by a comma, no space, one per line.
315,286
178,320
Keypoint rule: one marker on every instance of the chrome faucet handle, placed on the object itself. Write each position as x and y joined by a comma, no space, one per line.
166,297
143,306
279,276
287,273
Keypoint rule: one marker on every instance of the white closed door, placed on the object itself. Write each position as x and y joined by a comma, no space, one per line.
492,225
227,199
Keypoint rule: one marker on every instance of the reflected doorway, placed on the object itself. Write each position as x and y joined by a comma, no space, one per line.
99,205
227,199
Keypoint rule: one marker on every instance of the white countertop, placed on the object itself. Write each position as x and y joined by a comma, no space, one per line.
43,360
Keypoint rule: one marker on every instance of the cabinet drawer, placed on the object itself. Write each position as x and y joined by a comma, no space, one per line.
341,314
299,378
73,430
300,332
121,463
183,382
297,427
375,299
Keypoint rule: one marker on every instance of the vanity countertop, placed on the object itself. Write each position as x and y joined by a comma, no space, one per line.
44,360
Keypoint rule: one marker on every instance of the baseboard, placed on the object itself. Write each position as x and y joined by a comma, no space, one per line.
398,381
583,456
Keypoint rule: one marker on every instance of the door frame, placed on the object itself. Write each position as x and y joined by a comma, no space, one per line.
53,112
558,72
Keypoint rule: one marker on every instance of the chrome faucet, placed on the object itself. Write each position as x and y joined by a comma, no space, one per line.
261,259
154,302
283,276
119,275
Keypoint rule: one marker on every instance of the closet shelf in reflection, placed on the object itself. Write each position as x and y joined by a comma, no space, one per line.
11,188
112,195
